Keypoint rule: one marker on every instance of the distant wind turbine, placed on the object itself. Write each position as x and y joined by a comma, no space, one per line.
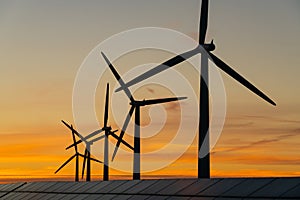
108,132
135,106
87,154
76,155
205,49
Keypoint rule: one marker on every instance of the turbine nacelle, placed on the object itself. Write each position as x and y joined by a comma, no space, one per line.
106,128
138,103
208,47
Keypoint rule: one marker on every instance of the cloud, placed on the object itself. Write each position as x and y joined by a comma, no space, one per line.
257,143
174,105
265,160
274,119
150,90
239,125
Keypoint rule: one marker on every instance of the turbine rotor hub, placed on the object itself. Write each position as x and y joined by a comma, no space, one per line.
107,128
209,47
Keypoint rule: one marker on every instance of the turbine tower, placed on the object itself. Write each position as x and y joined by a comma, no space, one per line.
135,107
206,53
108,131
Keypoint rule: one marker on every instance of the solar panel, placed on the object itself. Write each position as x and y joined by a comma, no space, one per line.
65,197
139,197
206,198
177,186
277,187
27,186
221,187
198,186
95,196
141,186
12,196
122,197
35,195
108,196
97,188
77,186
157,198
247,187
2,187
111,186
179,198
124,187
57,186
43,186
2,194
10,187
87,187
29,196
81,196
157,186
294,192
39,195
65,187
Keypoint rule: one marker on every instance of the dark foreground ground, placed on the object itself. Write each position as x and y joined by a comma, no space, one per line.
206,189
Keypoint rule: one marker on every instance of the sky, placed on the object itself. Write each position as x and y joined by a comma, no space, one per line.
44,43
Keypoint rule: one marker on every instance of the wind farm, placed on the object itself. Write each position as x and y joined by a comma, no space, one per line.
157,115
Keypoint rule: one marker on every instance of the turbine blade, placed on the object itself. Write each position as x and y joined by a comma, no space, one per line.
93,134
75,144
239,78
95,160
74,140
159,101
86,138
203,21
106,106
118,77
72,129
84,161
123,131
124,142
160,68
96,139
64,164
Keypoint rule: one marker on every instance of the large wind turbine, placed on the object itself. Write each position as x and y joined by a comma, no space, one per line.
205,49
87,154
135,106
76,155
108,132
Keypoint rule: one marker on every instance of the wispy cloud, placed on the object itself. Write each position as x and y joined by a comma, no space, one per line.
150,90
274,119
257,143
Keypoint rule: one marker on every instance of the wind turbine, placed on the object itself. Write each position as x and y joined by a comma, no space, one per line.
135,106
205,49
87,154
76,155
108,131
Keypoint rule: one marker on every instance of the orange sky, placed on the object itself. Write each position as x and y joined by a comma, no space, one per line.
40,55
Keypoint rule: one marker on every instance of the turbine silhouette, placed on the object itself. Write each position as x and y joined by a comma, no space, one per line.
205,49
87,154
135,106
76,155
108,131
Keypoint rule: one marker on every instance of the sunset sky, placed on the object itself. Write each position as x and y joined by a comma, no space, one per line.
44,43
